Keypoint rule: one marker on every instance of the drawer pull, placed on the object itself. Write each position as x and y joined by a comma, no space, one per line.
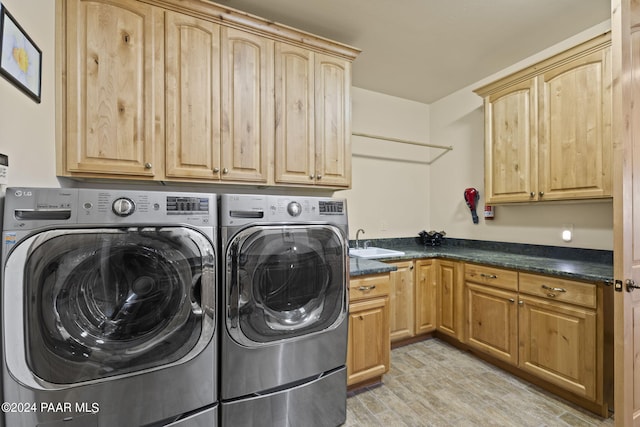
549,288
366,288
488,276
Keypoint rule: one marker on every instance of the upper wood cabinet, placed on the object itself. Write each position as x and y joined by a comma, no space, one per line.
312,118
247,120
188,90
548,128
192,89
113,108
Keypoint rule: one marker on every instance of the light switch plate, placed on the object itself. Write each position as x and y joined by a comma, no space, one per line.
4,169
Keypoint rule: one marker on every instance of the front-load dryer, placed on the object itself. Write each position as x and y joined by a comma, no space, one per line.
283,311
109,308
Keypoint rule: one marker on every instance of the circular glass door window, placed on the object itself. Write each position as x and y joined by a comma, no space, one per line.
106,303
286,281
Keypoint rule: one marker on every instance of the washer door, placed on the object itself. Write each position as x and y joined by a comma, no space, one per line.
99,303
284,282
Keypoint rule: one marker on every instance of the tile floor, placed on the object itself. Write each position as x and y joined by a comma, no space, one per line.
432,383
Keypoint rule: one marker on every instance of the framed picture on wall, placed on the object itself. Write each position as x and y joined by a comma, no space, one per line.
20,57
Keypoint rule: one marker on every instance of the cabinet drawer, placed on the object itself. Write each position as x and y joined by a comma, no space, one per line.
368,287
554,288
492,276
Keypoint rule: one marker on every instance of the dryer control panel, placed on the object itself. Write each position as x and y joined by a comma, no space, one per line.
238,209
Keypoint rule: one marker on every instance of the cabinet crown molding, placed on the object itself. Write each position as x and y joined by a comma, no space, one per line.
584,49
245,21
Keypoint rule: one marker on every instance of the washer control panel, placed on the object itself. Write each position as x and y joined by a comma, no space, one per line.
31,208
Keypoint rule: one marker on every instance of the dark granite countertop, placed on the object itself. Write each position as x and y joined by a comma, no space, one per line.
362,266
578,264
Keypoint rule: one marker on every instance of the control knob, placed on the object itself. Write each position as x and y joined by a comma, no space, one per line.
123,206
294,208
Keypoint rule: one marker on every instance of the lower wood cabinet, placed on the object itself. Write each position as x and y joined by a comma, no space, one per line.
492,311
402,296
548,327
369,345
561,342
492,321
450,299
425,295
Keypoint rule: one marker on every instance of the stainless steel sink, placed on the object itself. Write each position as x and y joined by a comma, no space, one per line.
373,252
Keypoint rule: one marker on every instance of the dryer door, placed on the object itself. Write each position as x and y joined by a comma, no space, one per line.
82,305
284,282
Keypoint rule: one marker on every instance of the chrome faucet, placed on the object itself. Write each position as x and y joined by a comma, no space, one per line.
358,237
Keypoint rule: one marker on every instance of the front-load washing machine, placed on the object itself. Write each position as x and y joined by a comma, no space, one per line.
283,309
108,308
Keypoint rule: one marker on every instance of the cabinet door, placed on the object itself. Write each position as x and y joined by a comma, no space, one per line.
511,143
450,297
333,121
192,97
368,349
402,301
575,129
492,321
114,103
425,295
295,109
558,344
247,106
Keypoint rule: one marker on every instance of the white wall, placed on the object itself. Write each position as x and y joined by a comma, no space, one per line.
27,129
457,120
390,181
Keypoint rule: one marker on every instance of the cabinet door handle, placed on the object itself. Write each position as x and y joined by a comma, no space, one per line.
541,193
532,194
312,176
225,171
216,170
488,276
319,176
148,165
366,288
549,288
511,300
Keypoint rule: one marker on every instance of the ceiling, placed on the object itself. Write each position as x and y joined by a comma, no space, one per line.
423,50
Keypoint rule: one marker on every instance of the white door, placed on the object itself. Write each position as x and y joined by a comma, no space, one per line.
626,136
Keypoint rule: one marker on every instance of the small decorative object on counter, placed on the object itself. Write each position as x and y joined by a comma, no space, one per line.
432,238
489,212
471,196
